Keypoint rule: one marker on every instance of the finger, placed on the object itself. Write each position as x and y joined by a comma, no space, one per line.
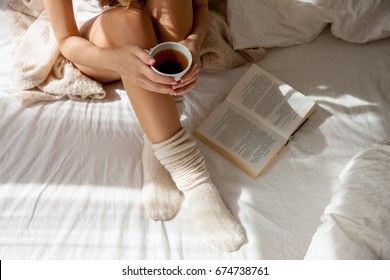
143,55
184,89
157,78
158,89
147,71
147,74
192,74
183,85
155,87
187,81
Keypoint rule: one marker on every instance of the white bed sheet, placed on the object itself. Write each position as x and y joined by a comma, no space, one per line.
70,172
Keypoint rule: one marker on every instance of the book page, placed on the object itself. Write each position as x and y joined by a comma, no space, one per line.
271,101
242,136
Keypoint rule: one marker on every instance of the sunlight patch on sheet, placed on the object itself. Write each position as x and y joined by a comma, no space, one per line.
344,99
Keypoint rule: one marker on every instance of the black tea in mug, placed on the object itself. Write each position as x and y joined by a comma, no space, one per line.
170,61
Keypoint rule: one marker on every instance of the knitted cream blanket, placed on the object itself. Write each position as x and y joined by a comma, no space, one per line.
40,71
217,49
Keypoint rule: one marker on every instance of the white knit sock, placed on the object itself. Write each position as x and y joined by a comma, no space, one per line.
183,160
160,196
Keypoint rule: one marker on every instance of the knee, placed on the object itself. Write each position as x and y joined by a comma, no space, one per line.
168,31
119,27
174,23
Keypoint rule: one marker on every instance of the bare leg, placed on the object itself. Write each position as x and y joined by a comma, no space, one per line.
156,113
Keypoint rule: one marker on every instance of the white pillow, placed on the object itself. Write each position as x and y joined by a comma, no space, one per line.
272,23
356,21
280,23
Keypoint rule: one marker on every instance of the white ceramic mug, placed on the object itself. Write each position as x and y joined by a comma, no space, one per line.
172,59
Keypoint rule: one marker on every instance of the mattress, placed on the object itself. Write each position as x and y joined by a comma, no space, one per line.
71,171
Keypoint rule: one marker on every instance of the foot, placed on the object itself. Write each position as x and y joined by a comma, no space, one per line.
212,217
187,167
160,196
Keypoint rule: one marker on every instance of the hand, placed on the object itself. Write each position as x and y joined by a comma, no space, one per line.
133,63
188,81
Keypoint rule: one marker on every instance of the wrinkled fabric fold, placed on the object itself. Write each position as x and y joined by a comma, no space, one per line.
40,71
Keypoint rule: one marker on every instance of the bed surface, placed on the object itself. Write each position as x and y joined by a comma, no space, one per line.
70,171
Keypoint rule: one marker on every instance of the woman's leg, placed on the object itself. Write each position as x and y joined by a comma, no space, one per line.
179,154
156,112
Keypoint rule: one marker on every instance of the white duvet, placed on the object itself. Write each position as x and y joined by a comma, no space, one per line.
356,223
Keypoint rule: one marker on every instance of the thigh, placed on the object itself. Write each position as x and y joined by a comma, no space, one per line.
115,28
172,19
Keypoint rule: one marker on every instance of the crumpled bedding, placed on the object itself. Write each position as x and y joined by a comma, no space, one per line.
356,223
281,23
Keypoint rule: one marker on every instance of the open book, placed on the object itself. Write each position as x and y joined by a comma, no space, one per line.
255,121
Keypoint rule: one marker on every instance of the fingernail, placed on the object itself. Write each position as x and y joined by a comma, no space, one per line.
150,60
